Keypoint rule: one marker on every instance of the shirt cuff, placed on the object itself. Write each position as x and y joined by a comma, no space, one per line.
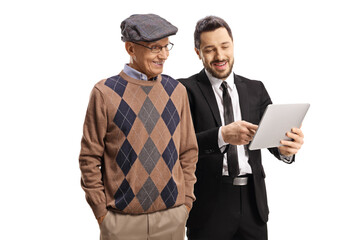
222,144
286,159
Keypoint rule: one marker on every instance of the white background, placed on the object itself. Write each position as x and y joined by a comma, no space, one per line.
53,52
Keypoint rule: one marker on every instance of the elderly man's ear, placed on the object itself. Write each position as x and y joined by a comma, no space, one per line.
129,46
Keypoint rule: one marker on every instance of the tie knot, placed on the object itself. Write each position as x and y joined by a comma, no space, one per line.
224,85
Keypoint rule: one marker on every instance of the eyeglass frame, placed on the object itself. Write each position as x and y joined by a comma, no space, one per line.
152,49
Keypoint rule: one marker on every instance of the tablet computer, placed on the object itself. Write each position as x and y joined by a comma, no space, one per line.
278,119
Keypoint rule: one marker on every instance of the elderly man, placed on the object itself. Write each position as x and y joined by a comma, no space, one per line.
139,150
231,197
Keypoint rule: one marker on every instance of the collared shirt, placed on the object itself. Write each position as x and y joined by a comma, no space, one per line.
243,156
131,72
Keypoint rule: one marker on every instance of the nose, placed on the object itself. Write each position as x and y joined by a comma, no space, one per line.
219,54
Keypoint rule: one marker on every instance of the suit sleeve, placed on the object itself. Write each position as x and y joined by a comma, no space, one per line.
208,141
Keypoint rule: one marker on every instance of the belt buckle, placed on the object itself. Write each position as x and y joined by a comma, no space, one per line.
240,181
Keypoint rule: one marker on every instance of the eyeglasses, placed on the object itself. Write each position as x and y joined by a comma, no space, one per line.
158,48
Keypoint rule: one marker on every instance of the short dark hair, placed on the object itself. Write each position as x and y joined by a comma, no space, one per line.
208,24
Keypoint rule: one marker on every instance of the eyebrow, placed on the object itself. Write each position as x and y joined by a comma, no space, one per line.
211,46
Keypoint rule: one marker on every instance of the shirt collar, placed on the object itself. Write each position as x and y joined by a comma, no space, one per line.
131,72
216,82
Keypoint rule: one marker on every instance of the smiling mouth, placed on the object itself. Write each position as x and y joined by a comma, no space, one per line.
160,63
221,65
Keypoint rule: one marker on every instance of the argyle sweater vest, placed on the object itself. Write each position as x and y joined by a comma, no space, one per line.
139,149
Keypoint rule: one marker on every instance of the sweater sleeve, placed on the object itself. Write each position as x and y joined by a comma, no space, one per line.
188,155
91,154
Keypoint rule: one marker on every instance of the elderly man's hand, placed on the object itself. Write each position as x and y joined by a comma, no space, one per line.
290,148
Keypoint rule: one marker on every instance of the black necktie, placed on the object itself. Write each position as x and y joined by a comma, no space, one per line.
232,157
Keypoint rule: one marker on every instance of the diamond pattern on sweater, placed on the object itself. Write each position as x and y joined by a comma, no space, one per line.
148,115
126,157
169,84
124,117
145,142
147,89
117,83
170,116
170,155
147,194
124,195
169,193
149,155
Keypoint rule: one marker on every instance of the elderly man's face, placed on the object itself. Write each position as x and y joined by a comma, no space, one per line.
147,62
217,52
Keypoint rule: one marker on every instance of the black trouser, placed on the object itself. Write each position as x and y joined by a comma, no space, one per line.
235,216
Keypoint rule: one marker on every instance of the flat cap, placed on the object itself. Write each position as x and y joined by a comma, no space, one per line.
146,27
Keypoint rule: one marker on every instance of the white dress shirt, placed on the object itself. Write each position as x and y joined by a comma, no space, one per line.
243,156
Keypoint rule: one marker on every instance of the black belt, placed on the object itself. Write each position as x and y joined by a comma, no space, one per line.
237,181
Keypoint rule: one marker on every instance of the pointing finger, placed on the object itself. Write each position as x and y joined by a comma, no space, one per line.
250,125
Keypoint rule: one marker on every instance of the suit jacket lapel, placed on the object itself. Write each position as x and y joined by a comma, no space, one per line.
243,98
244,105
206,89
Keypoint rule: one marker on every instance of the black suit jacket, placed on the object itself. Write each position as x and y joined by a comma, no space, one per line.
253,99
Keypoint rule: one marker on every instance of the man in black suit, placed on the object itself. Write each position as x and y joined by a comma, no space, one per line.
226,108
